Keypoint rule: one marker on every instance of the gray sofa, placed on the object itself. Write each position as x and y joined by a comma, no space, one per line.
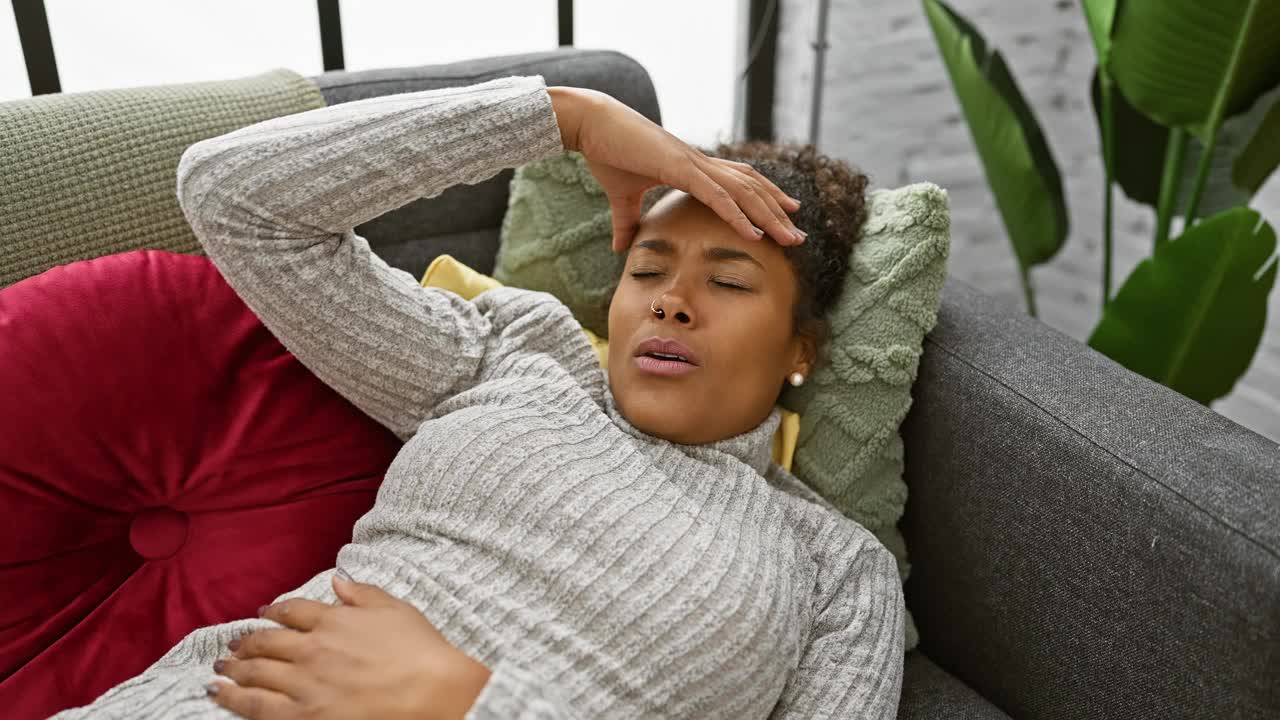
1084,542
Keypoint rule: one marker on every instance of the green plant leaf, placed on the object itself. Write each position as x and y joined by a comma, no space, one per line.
1139,144
1019,166
1246,144
1238,136
1176,60
1100,15
1261,156
1191,316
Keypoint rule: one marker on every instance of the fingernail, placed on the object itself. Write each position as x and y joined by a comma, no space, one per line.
345,577
758,231
797,202
219,666
234,645
213,688
799,235
262,610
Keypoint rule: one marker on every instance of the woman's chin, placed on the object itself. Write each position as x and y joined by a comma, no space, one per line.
663,412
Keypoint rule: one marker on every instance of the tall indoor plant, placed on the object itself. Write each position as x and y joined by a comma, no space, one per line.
1187,98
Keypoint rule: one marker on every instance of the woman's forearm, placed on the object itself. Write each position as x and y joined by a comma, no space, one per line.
274,205
318,173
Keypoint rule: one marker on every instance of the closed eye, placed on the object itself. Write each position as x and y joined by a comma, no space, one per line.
721,283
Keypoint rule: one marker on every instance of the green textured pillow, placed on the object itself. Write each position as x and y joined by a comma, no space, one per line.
850,447
556,238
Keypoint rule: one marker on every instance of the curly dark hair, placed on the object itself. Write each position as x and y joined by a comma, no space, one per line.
833,208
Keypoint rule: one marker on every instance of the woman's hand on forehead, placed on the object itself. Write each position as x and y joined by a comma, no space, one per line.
628,154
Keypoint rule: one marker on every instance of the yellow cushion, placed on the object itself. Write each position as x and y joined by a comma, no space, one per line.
447,273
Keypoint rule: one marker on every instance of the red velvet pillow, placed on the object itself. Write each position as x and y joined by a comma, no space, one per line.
165,464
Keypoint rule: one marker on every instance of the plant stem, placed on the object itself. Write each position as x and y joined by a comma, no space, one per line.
1025,275
1202,174
1108,165
1216,112
1170,179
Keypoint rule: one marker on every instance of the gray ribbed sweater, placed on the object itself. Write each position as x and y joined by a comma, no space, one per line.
596,570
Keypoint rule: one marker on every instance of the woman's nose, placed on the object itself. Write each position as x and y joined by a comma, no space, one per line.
673,305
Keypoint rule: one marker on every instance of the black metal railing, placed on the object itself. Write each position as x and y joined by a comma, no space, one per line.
564,15
42,66
330,34
37,46
762,36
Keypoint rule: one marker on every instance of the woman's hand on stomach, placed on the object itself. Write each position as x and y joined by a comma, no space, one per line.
375,656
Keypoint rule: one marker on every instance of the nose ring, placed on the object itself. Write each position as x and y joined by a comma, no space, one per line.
657,311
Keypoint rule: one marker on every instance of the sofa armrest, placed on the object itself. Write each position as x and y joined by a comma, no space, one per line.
1085,542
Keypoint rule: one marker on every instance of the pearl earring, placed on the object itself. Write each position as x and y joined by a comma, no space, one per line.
797,379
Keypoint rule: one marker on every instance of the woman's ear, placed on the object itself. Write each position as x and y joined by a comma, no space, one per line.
806,354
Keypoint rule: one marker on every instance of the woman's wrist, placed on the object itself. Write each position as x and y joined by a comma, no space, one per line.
474,681
568,103
468,678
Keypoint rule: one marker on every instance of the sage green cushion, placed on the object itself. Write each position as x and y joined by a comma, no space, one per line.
556,236
89,174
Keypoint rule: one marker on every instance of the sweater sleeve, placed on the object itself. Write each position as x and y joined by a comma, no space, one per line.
275,205
514,693
852,666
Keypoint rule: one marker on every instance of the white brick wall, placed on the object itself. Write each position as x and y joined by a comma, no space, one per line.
888,107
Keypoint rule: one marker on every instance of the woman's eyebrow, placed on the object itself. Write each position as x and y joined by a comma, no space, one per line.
724,253
662,247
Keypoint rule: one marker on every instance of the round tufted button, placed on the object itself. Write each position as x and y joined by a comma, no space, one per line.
157,533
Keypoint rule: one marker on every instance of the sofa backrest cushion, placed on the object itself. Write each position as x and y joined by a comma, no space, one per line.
89,174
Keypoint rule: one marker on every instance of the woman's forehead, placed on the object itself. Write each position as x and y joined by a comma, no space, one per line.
684,219
711,251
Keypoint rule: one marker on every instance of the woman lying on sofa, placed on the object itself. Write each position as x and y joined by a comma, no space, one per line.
552,541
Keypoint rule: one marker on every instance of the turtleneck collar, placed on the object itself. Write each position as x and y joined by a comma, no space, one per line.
753,447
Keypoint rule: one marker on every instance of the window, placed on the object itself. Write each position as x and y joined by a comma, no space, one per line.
13,69
150,42
693,51
401,33
690,48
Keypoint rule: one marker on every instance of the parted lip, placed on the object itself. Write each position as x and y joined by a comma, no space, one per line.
666,346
